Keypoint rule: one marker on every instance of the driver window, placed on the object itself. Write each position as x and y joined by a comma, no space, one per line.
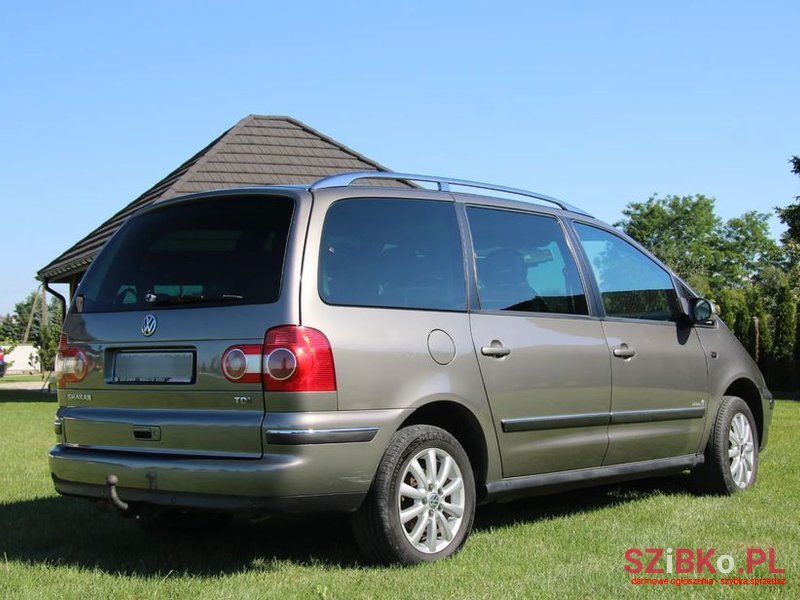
631,285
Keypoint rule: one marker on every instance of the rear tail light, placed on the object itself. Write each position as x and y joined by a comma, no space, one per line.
242,364
292,359
280,364
298,359
71,363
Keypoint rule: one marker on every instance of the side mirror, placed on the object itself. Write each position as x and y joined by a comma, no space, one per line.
702,310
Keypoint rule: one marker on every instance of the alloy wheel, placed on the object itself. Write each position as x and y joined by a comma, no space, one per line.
741,450
431,500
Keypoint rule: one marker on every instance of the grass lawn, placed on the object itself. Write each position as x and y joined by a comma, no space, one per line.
24,377
570,545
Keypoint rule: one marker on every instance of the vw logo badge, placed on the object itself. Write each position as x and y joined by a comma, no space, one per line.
149,325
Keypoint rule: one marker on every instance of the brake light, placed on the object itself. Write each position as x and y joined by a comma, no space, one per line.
292,359
71,363
298,359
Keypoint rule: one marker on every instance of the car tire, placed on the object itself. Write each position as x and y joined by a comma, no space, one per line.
421,504
731,455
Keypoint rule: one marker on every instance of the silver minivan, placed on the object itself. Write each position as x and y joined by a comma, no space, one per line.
400,352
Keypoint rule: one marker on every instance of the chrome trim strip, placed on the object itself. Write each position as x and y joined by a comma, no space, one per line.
554,422
321,436
443,183
659,414
595,419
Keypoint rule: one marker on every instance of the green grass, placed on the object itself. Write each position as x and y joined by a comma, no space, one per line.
570,545
22,377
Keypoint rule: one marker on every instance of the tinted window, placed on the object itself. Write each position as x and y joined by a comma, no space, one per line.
226,250
631,284
392,253
523,263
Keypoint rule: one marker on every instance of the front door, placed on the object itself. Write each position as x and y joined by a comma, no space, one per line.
658,367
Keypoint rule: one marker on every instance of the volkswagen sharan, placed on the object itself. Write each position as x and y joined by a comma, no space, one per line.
399,352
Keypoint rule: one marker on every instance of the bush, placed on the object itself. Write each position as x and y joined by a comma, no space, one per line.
781,363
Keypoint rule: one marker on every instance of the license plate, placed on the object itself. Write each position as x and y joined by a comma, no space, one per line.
153,367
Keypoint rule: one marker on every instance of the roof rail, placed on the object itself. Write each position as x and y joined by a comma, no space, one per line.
443,183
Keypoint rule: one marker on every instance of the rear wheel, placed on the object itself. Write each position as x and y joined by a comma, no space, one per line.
422,502
731,455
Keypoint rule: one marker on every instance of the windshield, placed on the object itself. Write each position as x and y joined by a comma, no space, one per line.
220,250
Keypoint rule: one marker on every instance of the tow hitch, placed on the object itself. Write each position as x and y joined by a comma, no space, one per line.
113,497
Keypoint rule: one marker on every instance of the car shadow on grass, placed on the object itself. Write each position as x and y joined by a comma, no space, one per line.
9,394
69,531
574,502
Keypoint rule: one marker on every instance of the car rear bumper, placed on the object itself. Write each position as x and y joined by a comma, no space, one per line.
305,468
215,502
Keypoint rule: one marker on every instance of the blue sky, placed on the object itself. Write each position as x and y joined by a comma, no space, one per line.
599,103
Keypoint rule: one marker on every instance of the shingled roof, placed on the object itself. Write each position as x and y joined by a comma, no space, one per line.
258,150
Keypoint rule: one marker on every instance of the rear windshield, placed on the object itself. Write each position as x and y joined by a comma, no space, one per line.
214,251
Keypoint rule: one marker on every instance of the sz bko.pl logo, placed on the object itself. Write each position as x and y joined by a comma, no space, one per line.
689,560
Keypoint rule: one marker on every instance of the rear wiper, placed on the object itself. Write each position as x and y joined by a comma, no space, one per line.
163,299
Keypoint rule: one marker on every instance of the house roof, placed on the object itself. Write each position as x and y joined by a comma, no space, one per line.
258,150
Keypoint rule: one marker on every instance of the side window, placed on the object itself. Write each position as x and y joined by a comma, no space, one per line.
631,285
686,292
392,253
524,264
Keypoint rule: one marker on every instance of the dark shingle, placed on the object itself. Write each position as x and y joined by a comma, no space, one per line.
258,150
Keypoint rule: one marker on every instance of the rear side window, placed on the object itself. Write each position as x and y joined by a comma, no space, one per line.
225,250
632,286
524,264
392,253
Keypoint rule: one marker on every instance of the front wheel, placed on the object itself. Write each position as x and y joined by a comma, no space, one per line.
422,502
731,456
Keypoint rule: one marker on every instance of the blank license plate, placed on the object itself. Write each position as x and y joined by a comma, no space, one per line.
153,367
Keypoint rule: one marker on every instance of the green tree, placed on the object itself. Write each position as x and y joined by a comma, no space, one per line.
785,336
735,311
681,230
13,326
759,340
790,216
796,369
43,337
720,259
744,247
768,281
46,340
710,254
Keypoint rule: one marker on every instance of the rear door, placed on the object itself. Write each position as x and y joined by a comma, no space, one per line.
543,357
175,288
659,369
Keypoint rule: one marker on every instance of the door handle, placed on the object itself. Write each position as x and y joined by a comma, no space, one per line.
147,432
624,351
495,350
